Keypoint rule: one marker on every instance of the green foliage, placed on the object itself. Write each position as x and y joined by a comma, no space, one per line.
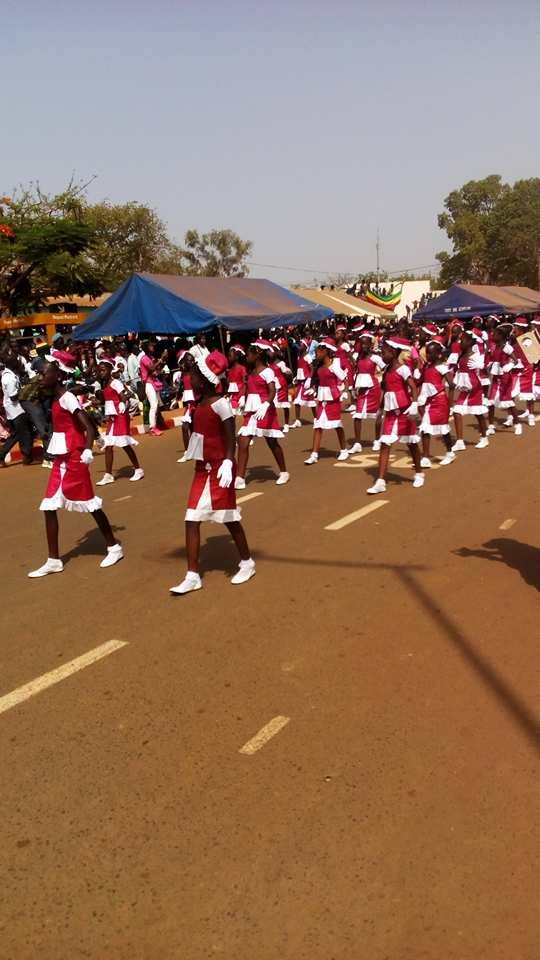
494,229
219,253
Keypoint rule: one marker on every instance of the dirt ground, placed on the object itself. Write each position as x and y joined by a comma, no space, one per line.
391,818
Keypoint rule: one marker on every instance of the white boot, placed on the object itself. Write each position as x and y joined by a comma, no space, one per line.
491,430
376,446
531,421
114,554
524,415
313,458
106,478
343,455
283,478
482,443
449,458
356,448
239,483
425,463
183,459
508,422
138,474
297,423
419,480
245,572
285,428
459,445
50,566
518,430
191,581
378,487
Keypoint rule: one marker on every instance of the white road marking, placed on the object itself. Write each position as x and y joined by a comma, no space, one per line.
507,524
119,499
351,517
248,496
264,735
20,694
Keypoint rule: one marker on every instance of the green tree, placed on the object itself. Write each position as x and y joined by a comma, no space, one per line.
43,248
467,222
514,235
218,253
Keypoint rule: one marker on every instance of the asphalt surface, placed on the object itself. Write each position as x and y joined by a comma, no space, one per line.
393,817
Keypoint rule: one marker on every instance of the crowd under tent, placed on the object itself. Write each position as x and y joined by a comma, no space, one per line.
466,300
152,303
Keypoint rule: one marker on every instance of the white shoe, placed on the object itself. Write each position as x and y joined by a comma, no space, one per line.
531,421
459,445
239,483
313,458
419,480
245,572
378,487
283,478
425,463
524,415
183,459
449,458
482,443
508,422
138,474
114,554
351,408
285,428
106,478
191,581
343,455
376,446
297,423
490,430
47,464
50,566
356,448
518,430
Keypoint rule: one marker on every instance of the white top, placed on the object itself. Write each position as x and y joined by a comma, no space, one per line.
198,352
10,388
223,408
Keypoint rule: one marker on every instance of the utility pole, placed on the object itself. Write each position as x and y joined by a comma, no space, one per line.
378,248
538,254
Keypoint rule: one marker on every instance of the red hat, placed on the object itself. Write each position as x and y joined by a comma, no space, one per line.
536,320
239,348
358,327
305,341
213,366
263,344
477,335
368,335
398,343
436,339
454,322
329,343
521,322
430,329
341,328
180,355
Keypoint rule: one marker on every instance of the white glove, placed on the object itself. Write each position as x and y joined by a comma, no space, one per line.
121,407
241,403
412,411
224,473
262,411
87,456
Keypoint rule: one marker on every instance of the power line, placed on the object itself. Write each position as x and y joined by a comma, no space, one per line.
280,266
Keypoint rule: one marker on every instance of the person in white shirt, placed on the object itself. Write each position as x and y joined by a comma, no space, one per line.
18,422
199,350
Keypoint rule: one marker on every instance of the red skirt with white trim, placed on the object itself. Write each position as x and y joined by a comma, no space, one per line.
327,415
470,402
207,500
435,421
268,426
70,486
397,427
503,391
368,402
119,432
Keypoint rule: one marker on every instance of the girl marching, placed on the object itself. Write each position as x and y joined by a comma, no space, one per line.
434,399
237,378
212,495
368,389
260,417
70,486
118,432
504,381
304,394
400,410
327,380
469,396
186,363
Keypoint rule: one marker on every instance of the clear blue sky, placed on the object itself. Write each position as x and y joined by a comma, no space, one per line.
301,125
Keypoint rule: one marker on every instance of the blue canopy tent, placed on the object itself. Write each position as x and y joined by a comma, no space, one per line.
158,303
471,300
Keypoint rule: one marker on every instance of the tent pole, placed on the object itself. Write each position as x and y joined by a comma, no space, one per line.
221,339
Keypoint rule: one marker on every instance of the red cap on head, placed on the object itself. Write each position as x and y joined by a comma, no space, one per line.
328,343
398,343
213,366
239,348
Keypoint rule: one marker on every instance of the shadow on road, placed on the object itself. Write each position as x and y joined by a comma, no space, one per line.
90,544
519,556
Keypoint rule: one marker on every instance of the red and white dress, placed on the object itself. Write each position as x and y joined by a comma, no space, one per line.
208,447
237,378
434,397
328,411
469,398
188,398
369,392
504,380
304,394
258,393
536,382
280,368
119,428
397,426
525,374
70,485
343,354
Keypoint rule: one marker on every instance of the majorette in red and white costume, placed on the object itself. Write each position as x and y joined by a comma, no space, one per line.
523,367
434,398
398,426
207,446
504,382
281,372
454,345
257,398
188,397
237,380
469,398
119,428
329,390
304,394
367,385
70,485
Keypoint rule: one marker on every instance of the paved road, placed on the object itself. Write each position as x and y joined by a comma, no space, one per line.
391,818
